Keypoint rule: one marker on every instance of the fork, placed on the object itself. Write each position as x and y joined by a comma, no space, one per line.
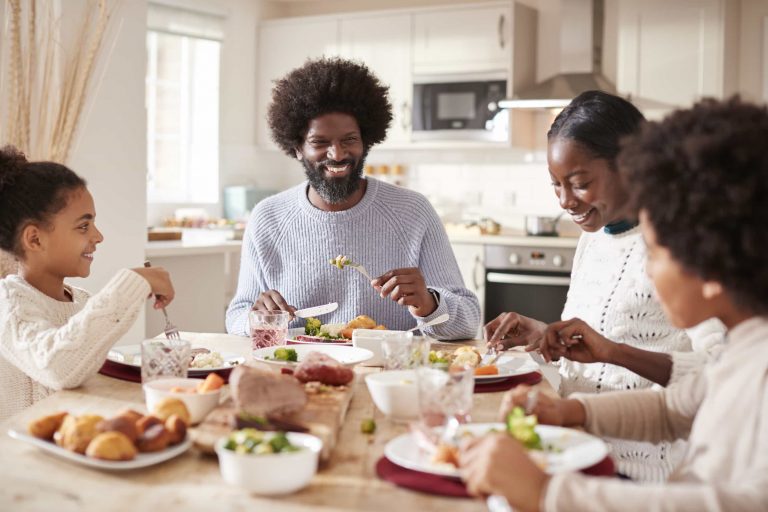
360,269
171,331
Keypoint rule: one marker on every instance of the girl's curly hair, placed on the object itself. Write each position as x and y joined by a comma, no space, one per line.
702,176
328,85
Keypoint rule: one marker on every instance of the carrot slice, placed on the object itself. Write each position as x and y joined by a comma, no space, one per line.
490,369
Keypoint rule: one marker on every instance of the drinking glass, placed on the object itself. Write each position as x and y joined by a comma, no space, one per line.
397,350
161,358
444,394
268,328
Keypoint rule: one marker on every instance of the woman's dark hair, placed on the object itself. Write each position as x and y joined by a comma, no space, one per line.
323,86
701,175
30,192
597,121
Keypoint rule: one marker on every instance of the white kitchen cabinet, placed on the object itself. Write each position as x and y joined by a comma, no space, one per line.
283,46
471,260
383,43
672,52
462,40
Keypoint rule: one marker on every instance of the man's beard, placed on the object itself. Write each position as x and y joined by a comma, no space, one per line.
334,190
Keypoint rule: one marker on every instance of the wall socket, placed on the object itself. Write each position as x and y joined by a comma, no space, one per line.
509,198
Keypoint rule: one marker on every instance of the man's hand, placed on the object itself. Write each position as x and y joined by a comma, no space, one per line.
577,341
271,300
512,330
498,464
406,286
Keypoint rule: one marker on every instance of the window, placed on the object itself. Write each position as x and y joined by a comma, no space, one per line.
182,106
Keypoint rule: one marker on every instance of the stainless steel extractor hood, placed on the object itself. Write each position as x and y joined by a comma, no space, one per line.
559,90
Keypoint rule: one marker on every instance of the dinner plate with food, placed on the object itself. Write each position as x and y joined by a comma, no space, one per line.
506,366
123,441
314,331
290,356
554,449
204,360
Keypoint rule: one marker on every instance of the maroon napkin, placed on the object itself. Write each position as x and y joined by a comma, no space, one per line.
506,384
453,487
121,371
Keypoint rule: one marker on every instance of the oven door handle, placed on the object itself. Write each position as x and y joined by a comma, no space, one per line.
498,277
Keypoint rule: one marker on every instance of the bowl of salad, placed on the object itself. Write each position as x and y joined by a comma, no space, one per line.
268,463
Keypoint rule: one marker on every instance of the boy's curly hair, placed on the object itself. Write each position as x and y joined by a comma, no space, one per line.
702,176
328,85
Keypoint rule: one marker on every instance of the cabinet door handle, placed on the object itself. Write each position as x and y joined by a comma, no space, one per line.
405,115
502,42
478,266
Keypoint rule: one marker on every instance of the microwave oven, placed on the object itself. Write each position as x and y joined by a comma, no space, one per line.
459,109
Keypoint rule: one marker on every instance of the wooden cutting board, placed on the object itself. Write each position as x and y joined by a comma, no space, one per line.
323,416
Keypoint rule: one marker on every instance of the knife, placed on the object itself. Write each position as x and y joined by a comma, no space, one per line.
316,311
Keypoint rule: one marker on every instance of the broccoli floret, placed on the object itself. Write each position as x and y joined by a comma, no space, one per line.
522,428
286,354
312,328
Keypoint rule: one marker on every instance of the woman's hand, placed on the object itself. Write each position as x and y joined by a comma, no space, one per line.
548,410
498,464
160,283
407,287
512,330
271,300
577,341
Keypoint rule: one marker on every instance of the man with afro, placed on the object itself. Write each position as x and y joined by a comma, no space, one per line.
327,114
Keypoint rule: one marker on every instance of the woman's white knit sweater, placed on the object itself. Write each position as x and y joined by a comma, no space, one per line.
611,292
47,345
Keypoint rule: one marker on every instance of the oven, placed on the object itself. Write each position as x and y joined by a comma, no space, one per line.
528,279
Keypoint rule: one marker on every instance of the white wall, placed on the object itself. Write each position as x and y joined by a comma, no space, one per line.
110,146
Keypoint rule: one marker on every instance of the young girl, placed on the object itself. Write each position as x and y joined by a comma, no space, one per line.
52,335
700,178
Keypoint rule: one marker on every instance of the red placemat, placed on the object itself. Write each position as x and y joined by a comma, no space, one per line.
121,371
453,487
504,385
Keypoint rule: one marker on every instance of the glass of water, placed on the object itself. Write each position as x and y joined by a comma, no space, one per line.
397,350
268,328
444,394
162,358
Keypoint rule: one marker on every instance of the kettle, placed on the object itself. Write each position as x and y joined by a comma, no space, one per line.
537,225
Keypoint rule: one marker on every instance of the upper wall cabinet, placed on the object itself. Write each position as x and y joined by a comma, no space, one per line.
672,52
461,40
383,43
283,46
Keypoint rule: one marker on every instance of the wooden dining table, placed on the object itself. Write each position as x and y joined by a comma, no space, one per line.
33,479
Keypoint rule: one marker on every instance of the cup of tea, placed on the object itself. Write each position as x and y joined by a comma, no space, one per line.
268,328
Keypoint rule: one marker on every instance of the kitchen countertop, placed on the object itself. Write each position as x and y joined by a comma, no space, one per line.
191,248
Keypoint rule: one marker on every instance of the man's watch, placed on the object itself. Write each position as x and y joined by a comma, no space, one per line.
435,295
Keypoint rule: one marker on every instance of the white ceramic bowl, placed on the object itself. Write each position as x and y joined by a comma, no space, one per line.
198,404
395,393
278,473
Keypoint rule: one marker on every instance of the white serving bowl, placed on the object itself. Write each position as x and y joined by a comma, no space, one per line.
395,393
370,339
271,474
198,404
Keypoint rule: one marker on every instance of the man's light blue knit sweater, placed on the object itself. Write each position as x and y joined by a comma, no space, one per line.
288,243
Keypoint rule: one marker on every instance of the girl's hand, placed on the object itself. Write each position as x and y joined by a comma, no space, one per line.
160,283
577,341
548,410
512,330
498,464
272,300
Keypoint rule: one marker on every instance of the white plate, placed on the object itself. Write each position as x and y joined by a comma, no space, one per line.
130,355
574,450
509,366
348,356
297,331
142,459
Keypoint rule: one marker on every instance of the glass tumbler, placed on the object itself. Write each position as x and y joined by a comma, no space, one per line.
161,358
397,350
268,328
444,394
